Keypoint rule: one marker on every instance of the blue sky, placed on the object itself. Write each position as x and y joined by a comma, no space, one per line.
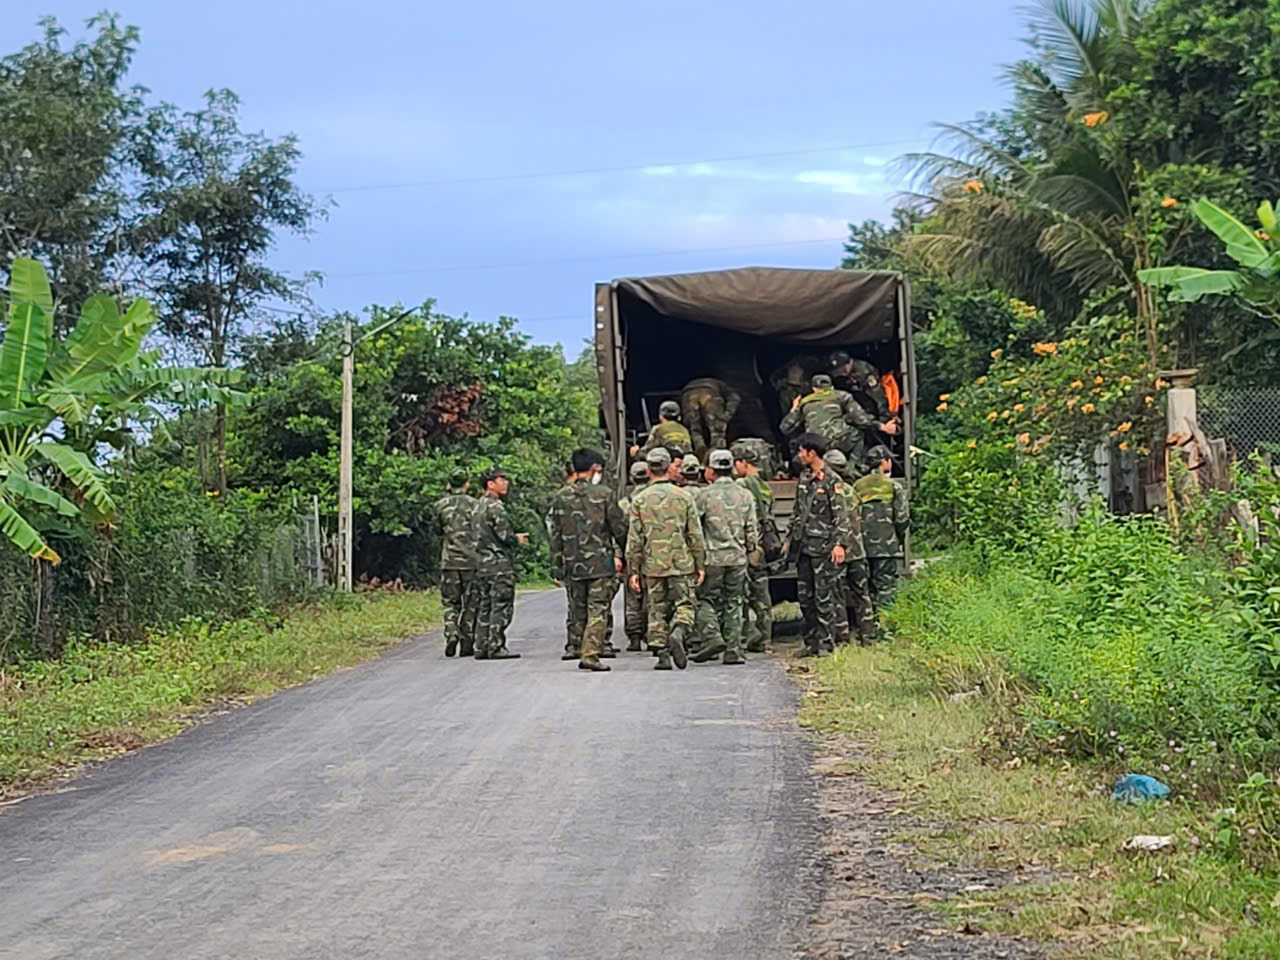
750,132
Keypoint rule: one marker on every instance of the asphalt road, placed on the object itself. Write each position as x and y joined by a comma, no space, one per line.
422,807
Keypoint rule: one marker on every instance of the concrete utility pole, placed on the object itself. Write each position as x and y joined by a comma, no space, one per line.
345,455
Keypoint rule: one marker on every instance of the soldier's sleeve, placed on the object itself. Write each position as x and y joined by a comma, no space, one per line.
635,540
697,543
792,421
437,523
799,520
854,415
901,510
501,526
753,527
555,540
732,400
840,511
617,523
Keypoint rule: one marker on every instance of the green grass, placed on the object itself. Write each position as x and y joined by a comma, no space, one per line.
100,699
1051,815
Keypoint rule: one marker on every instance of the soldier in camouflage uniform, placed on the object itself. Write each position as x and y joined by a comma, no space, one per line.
862,380
791,380
817,540
669,434
708,406
588,535
454,523
833,415
885,521
665,548
691,473
495,571
732,534
746,464
857,575
634,623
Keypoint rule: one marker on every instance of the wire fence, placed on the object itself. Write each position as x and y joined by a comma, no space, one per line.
1248,419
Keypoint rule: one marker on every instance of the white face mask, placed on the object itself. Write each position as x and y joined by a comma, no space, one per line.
595,477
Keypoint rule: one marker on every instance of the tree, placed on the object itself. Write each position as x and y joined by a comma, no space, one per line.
67,131
213,198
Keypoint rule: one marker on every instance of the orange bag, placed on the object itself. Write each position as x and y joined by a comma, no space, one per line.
892,394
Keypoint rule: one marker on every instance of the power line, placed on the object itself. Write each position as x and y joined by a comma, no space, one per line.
591,259
498,178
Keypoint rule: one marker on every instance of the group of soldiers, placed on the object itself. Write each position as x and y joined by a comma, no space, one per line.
694,545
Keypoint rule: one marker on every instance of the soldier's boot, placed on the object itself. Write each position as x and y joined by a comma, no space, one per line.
634,645
450,648
809,651
594,665
664,660
571,654
481,655
502,653
733,658
678,654
709,652
468,650
610,652
756,646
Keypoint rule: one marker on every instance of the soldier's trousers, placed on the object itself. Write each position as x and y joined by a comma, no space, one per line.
589,602
725,589
495,606
760,603
457,593
670,604
820,590
884,580
634,622
858,599
706,624
704,418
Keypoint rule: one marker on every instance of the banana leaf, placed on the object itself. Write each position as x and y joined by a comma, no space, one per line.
23,354
25,489
28,283
77,468
23,535
1242,245
1192,283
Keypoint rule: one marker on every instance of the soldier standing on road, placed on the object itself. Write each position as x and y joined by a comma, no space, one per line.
833,415
669,433
857,575
708,406
817,541
732,534
665,549
454,523
746,465
633,615
496,570
587,536
885,521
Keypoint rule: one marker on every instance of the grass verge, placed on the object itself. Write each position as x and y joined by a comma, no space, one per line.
102,699
1040,816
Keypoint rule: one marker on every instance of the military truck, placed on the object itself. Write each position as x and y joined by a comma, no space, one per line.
655,334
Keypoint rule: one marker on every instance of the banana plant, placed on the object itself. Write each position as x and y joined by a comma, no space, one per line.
1256,284
59,401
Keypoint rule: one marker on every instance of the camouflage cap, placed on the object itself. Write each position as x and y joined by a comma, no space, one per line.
658,458
877,454
749,452
838,358
457,479
639,472
720,460
821,381
835,458
669,409
690,464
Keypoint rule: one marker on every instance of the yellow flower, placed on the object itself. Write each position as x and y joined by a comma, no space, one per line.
1004,414
1010,383
942,407
1145,451
1018,407
1044,349
1088,408
1168,202
980,381
1097,380
1262,235
973,444
1096,119
1024,438
1125,427
945,396
1161,384
1072,401
974,186
1077,384
992,415
1149,400
1124,446
995,354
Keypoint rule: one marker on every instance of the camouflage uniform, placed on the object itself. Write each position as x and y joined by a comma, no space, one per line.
587,534
857,582
791,380
758,599
665,548
633,615
454,522
885,520
732,534
495,577
708,406
833,415
820,523
863,381
670,434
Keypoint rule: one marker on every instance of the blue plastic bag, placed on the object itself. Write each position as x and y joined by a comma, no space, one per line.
1136,788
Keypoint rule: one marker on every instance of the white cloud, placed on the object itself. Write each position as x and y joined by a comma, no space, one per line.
843,181
658,171
875,162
